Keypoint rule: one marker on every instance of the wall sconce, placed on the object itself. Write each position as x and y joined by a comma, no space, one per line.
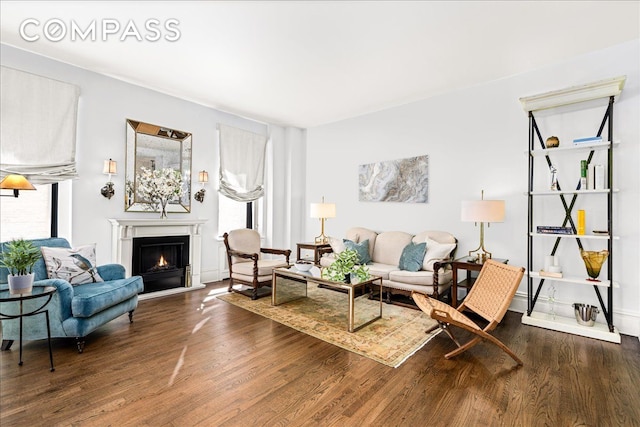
482,211
203,178
322,211
108,169
16,183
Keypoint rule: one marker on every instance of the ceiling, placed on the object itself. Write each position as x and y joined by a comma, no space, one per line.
304,64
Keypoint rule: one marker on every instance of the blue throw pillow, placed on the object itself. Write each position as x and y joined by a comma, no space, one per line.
412,256
361,248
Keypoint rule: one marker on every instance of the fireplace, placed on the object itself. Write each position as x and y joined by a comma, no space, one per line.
163,262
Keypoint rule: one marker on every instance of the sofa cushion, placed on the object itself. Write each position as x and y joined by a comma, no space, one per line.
381,270
359,234
440,245
412,277
361,248
412,256
265,267
337,245
435,252
91,298
389,246
75,265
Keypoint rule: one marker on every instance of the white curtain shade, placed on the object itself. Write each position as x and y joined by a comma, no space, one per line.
38,127
242,157
482,211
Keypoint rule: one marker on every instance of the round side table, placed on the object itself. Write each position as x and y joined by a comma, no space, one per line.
38,292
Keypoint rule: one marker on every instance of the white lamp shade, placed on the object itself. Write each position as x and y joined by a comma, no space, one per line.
203,177
109,167
323,210
482,211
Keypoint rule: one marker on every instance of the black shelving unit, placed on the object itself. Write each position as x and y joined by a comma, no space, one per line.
537,151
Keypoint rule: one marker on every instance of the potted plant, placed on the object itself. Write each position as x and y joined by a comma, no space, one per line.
19,256
344,265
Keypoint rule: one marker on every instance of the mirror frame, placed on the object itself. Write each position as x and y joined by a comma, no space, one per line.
139,133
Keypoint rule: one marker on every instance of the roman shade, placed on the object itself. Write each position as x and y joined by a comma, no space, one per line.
38,127
242,156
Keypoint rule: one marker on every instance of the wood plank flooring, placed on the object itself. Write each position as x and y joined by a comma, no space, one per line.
193,360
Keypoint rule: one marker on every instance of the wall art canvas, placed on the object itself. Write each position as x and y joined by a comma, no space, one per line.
404,180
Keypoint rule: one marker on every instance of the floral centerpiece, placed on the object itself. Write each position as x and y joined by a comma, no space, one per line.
159,187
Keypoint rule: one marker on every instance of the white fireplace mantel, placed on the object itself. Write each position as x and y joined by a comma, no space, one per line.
124,230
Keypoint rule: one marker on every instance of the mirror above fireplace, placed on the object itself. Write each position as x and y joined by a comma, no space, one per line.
156,147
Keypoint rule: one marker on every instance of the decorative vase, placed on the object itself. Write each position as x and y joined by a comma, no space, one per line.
21,283
163,207
593,260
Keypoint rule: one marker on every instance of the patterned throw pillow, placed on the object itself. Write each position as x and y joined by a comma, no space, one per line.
361,248
75,265
412,256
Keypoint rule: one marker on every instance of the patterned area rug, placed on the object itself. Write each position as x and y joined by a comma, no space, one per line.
323,314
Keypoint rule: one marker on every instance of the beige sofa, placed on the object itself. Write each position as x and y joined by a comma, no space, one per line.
385,249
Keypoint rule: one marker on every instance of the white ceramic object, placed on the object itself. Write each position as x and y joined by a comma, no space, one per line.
20,284
300,266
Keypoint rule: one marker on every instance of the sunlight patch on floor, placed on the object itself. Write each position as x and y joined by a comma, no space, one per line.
179,364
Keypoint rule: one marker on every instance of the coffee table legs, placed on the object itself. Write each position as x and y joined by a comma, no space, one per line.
351,318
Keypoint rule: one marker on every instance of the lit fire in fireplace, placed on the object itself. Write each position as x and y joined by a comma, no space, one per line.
162,262
161,265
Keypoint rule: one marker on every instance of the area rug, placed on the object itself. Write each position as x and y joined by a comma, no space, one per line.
323,314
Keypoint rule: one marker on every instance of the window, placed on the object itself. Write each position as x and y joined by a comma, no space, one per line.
233,215
27,216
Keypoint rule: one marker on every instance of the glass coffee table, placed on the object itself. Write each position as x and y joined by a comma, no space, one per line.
289,284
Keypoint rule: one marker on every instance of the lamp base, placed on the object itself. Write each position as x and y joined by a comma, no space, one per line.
321,239
481,255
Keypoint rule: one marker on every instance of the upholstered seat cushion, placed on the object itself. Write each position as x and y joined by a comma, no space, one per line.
91,298
381,270
265,267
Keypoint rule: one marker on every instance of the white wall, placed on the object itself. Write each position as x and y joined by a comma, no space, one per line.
476,139
105,103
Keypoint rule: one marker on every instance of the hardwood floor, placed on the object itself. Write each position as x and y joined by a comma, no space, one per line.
191,359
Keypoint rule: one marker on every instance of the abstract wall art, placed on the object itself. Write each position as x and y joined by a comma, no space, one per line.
404,180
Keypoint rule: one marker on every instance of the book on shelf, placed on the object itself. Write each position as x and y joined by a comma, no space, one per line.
549,274
596,177
588,139
548,229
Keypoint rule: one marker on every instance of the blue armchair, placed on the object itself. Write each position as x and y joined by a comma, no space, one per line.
74,311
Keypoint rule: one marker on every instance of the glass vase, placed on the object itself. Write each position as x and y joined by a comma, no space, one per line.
593,261
163,208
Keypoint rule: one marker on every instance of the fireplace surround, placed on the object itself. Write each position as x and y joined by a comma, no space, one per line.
124,232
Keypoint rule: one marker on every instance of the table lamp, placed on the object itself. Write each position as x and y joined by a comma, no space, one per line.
16,183
482,211
322,211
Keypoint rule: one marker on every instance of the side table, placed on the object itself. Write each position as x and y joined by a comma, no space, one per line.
37,292
466,263
317,248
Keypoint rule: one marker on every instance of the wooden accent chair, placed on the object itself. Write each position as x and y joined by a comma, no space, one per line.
489,297
246,265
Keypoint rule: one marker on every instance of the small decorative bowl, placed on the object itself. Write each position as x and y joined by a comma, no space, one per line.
303,266
552,142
